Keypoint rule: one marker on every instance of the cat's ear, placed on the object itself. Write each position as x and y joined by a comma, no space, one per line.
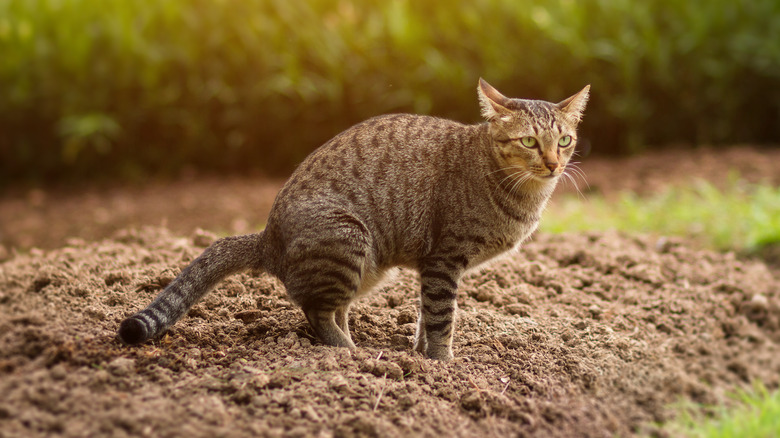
575,105
492,102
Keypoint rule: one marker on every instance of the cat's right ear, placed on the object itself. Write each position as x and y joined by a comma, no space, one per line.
492,102
574,106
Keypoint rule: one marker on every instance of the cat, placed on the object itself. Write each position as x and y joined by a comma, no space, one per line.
396,190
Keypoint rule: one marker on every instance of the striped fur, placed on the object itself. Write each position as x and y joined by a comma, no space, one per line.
397,190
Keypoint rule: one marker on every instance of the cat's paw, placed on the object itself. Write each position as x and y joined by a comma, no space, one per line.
442,353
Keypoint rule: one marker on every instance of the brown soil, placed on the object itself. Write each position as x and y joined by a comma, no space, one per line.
577,335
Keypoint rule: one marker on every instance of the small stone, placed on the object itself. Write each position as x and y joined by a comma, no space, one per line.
759,300
407,316
59,372
382,368
581,325
411,365
248,316
484,295
256,377
279,379
121,366
203,238
664,328
663,244
406,401
165,278
518,309
393,371
400,340
756,309
488,292
338,381
471,401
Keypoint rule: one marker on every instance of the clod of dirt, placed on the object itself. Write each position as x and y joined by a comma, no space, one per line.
382,368
121,366
576,335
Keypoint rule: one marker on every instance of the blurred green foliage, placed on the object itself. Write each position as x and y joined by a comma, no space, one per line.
94,88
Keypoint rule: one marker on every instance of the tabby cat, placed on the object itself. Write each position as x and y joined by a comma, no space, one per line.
397,190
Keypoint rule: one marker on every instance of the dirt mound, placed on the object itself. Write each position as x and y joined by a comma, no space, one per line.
586,335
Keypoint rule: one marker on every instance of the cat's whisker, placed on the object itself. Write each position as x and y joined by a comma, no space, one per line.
577,171
582,177
513,178
502,169
510,176
520,182
517,176
574,183
570,172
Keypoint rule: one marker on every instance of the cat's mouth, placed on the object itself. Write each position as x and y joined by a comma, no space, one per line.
545,179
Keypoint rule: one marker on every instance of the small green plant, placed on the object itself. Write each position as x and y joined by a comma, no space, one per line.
742,217
755,414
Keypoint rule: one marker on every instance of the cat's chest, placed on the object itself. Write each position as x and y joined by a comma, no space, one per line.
498,245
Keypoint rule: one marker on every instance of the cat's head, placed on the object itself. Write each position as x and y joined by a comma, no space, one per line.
532,136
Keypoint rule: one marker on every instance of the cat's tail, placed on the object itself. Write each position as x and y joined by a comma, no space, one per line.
224,257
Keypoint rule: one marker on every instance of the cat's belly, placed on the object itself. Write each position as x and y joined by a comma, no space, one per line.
375,278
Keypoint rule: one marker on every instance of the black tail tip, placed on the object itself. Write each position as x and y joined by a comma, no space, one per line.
132,331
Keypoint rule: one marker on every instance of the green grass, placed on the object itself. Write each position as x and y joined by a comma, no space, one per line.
742,217
756,415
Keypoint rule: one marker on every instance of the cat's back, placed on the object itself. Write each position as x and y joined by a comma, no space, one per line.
381,152
390,138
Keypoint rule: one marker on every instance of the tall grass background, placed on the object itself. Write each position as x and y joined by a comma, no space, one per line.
115,88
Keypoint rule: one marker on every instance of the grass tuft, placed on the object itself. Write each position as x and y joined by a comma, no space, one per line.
742,217
756,415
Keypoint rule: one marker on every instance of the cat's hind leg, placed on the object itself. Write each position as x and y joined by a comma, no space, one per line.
325,295
324,324
342,320
325,271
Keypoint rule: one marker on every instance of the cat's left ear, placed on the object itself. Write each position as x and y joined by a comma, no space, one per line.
493,103
575,105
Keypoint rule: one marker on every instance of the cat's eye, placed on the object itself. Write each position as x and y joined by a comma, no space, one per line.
528,142
564,141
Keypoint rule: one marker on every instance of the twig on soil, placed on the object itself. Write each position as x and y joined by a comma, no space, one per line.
474,384
380,355
381,390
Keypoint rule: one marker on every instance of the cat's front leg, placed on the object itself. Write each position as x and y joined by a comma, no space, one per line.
438,304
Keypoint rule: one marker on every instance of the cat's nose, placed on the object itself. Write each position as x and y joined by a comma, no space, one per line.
552,165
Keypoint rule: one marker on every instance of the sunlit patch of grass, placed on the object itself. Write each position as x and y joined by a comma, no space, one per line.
756,415
742,217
